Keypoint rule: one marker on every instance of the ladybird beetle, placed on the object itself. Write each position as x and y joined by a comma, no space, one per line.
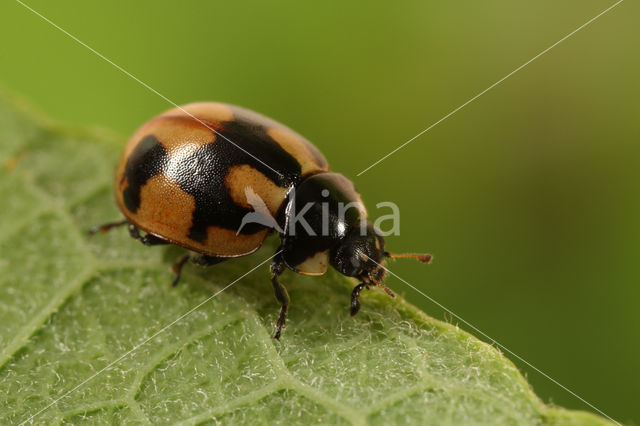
194,174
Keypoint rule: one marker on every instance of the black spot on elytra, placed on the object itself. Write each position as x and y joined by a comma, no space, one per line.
146,160
202,173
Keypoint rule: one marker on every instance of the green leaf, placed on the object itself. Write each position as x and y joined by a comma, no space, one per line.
70,306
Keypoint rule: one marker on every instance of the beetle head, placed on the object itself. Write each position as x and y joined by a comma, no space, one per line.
361,254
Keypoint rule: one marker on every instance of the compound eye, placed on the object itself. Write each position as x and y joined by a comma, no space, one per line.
353,264
346,260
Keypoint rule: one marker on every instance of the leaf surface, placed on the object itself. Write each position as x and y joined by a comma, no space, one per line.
70,306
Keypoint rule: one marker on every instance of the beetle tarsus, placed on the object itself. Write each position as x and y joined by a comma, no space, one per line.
355,298
177,269
281,322
277,268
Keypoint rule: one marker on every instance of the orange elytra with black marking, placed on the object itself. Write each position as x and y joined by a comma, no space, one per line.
216,179
182,176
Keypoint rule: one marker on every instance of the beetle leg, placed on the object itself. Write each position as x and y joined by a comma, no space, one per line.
277,268
197,259
204,260
105,227
355,298
177,269
147,240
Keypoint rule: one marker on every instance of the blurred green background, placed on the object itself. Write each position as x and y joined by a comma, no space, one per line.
528,197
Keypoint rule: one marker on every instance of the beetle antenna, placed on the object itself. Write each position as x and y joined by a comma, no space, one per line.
424,258
386,289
